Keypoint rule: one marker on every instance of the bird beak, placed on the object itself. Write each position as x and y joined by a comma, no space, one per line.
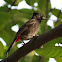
44,18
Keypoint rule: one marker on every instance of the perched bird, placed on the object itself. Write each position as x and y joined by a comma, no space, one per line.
28,30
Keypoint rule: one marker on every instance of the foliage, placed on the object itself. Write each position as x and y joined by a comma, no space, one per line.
14,16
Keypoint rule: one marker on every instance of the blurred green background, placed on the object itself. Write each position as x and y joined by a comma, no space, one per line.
11,16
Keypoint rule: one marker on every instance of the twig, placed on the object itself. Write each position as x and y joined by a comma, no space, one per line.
47,8
47,11
40,59
13,3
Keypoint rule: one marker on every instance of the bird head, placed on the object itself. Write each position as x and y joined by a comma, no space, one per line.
38,16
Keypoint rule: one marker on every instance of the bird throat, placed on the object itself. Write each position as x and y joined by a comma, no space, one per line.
39,20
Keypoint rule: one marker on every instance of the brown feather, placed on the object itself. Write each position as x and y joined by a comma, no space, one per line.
29,29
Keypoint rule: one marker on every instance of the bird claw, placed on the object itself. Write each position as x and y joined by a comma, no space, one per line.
23,43
35,36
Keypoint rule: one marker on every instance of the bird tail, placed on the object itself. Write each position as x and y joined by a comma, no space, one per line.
11,46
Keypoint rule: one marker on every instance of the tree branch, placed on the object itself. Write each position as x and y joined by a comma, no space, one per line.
35,43
47,8
13,3
47,12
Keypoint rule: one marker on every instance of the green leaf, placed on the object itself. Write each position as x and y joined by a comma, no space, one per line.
58,59
22,15
35,58
11,2
43,59
31,2
57,23
1,50
48,28
42,6
53,42
55,11
29,57
61,15
3,8
50,52
8,1
42,27
17,2
4,19
42,3
7,35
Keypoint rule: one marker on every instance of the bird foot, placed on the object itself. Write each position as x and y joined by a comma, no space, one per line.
23,43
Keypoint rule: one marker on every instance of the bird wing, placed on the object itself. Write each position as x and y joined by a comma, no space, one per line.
25,27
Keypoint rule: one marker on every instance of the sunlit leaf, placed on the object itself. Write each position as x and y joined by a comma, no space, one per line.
42,6
4,19
53,42
42,27
3,8
17,2
55,12
58,59
14,2
50,52
61,15
57,23
1,50
8,1
31,2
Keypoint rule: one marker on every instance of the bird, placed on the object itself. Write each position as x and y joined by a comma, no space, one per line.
28,30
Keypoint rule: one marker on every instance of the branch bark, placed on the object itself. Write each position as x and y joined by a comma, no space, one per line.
35,43
47,8
13,3
47,12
